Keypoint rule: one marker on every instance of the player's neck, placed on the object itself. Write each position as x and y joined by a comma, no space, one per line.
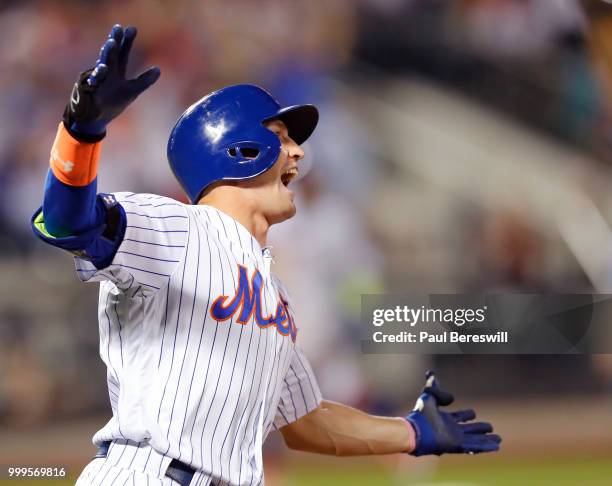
254,221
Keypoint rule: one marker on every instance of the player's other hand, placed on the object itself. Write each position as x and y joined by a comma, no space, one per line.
101,93
440,432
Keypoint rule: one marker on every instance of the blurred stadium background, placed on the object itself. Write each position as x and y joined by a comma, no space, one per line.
463,146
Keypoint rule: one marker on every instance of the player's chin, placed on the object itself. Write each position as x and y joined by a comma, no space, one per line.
291,212
284,211
288,213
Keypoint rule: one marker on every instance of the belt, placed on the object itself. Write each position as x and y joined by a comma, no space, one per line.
178,471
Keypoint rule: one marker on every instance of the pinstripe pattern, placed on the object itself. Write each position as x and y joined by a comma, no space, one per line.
122,467
181,383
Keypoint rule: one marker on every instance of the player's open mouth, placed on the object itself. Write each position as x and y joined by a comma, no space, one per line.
289,175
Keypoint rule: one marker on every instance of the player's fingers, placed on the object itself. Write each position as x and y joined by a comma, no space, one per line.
116,35
477,428
464,415
482,443
143,81
476,439
443,398
126,45
105,51
432,386
97,75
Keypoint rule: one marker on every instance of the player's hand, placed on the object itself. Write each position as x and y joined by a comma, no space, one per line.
102,93
440,432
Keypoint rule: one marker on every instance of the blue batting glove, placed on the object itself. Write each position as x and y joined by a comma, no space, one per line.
102,93
439,432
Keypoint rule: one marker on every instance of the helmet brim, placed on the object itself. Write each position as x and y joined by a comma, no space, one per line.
301,121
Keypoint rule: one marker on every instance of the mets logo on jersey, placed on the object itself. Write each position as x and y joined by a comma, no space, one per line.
247,300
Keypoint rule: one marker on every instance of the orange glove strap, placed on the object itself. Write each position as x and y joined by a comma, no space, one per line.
72,162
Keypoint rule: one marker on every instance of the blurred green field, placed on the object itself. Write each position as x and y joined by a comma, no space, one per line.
515,472
520,473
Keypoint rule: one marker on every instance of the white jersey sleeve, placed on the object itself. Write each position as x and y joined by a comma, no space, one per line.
300,392
156,234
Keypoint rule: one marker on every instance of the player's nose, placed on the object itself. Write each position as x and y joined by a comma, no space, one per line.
294,151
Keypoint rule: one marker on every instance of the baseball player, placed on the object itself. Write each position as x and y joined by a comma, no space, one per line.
198,336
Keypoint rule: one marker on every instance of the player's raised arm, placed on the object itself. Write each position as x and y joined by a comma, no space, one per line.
72,215
344,431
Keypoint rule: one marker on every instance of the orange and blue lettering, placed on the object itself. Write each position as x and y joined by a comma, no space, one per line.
247,303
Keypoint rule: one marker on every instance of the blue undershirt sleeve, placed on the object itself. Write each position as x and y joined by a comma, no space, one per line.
76,219
70,210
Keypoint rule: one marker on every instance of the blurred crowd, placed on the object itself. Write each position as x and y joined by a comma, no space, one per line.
365,223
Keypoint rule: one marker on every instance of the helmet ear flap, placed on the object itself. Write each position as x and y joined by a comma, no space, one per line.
246,152
242,151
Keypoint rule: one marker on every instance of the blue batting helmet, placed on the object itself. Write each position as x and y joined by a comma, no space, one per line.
222,137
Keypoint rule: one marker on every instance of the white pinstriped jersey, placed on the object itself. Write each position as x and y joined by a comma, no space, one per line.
199,341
